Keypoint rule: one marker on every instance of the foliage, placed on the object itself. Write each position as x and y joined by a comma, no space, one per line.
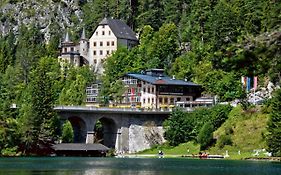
205,136
37,115
178,128
67,133
274,126
224,140
72,89
183,127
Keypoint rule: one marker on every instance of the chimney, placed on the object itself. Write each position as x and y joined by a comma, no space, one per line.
174,77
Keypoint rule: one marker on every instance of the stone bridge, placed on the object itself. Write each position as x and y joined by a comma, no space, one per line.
125,130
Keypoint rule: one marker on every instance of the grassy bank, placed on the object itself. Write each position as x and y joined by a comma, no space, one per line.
241,136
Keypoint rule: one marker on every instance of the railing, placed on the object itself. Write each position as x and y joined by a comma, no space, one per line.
93,108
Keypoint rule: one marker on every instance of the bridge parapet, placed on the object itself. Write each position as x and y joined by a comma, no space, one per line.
109,110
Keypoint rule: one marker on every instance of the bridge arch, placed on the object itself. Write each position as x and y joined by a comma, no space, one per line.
107,132
79,128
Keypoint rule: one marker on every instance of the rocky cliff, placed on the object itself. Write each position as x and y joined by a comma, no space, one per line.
48,15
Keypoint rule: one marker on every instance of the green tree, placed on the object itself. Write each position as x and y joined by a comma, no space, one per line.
205,136
7,51
30,48
178,128
67,133
274,126
37,114
150,12
75,95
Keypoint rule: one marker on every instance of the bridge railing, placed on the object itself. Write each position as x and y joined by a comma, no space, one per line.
93,108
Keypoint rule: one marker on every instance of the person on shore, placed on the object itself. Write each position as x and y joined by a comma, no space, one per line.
160,154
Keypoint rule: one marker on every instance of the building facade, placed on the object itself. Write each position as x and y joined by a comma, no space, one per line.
107,37
153,90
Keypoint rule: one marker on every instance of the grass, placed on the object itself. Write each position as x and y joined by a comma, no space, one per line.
182,149
246,128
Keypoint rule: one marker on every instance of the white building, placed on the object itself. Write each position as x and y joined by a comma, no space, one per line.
153,90
107,37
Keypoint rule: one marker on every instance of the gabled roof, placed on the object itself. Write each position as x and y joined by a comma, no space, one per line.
159,80
119,28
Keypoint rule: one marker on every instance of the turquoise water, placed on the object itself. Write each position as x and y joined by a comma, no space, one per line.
133,166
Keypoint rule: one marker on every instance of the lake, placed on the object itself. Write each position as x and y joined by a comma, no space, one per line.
133,166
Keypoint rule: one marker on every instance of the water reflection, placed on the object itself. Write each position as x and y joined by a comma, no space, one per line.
112,166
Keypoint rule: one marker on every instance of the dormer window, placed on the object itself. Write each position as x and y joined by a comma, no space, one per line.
109,32
97,33
102,32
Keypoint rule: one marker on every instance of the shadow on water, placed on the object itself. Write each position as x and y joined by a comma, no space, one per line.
131,166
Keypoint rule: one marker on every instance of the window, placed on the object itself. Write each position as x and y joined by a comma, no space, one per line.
152,100
148,90
97,33
107,52
103,26
101,52
102,32
152,90
178,99
101,44
65,49
109,32
112,43
108,43
148,100
187,99
95,52
95,44
95,61
165,100
72,49
160,100
172,101
144,90
144,100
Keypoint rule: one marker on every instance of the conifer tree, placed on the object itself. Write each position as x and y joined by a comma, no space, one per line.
274,126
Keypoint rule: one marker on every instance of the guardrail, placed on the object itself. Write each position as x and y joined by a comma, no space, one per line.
93,108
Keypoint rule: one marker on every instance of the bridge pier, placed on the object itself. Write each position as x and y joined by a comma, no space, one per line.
90,137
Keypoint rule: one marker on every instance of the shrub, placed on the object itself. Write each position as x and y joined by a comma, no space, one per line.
67,133
224,140
205,136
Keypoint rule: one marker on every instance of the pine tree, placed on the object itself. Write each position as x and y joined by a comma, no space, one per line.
37,114
274,126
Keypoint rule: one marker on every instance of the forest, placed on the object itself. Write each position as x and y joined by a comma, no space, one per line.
209,42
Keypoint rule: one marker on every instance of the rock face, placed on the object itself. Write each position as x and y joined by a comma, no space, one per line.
148,136
262,94
44,14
